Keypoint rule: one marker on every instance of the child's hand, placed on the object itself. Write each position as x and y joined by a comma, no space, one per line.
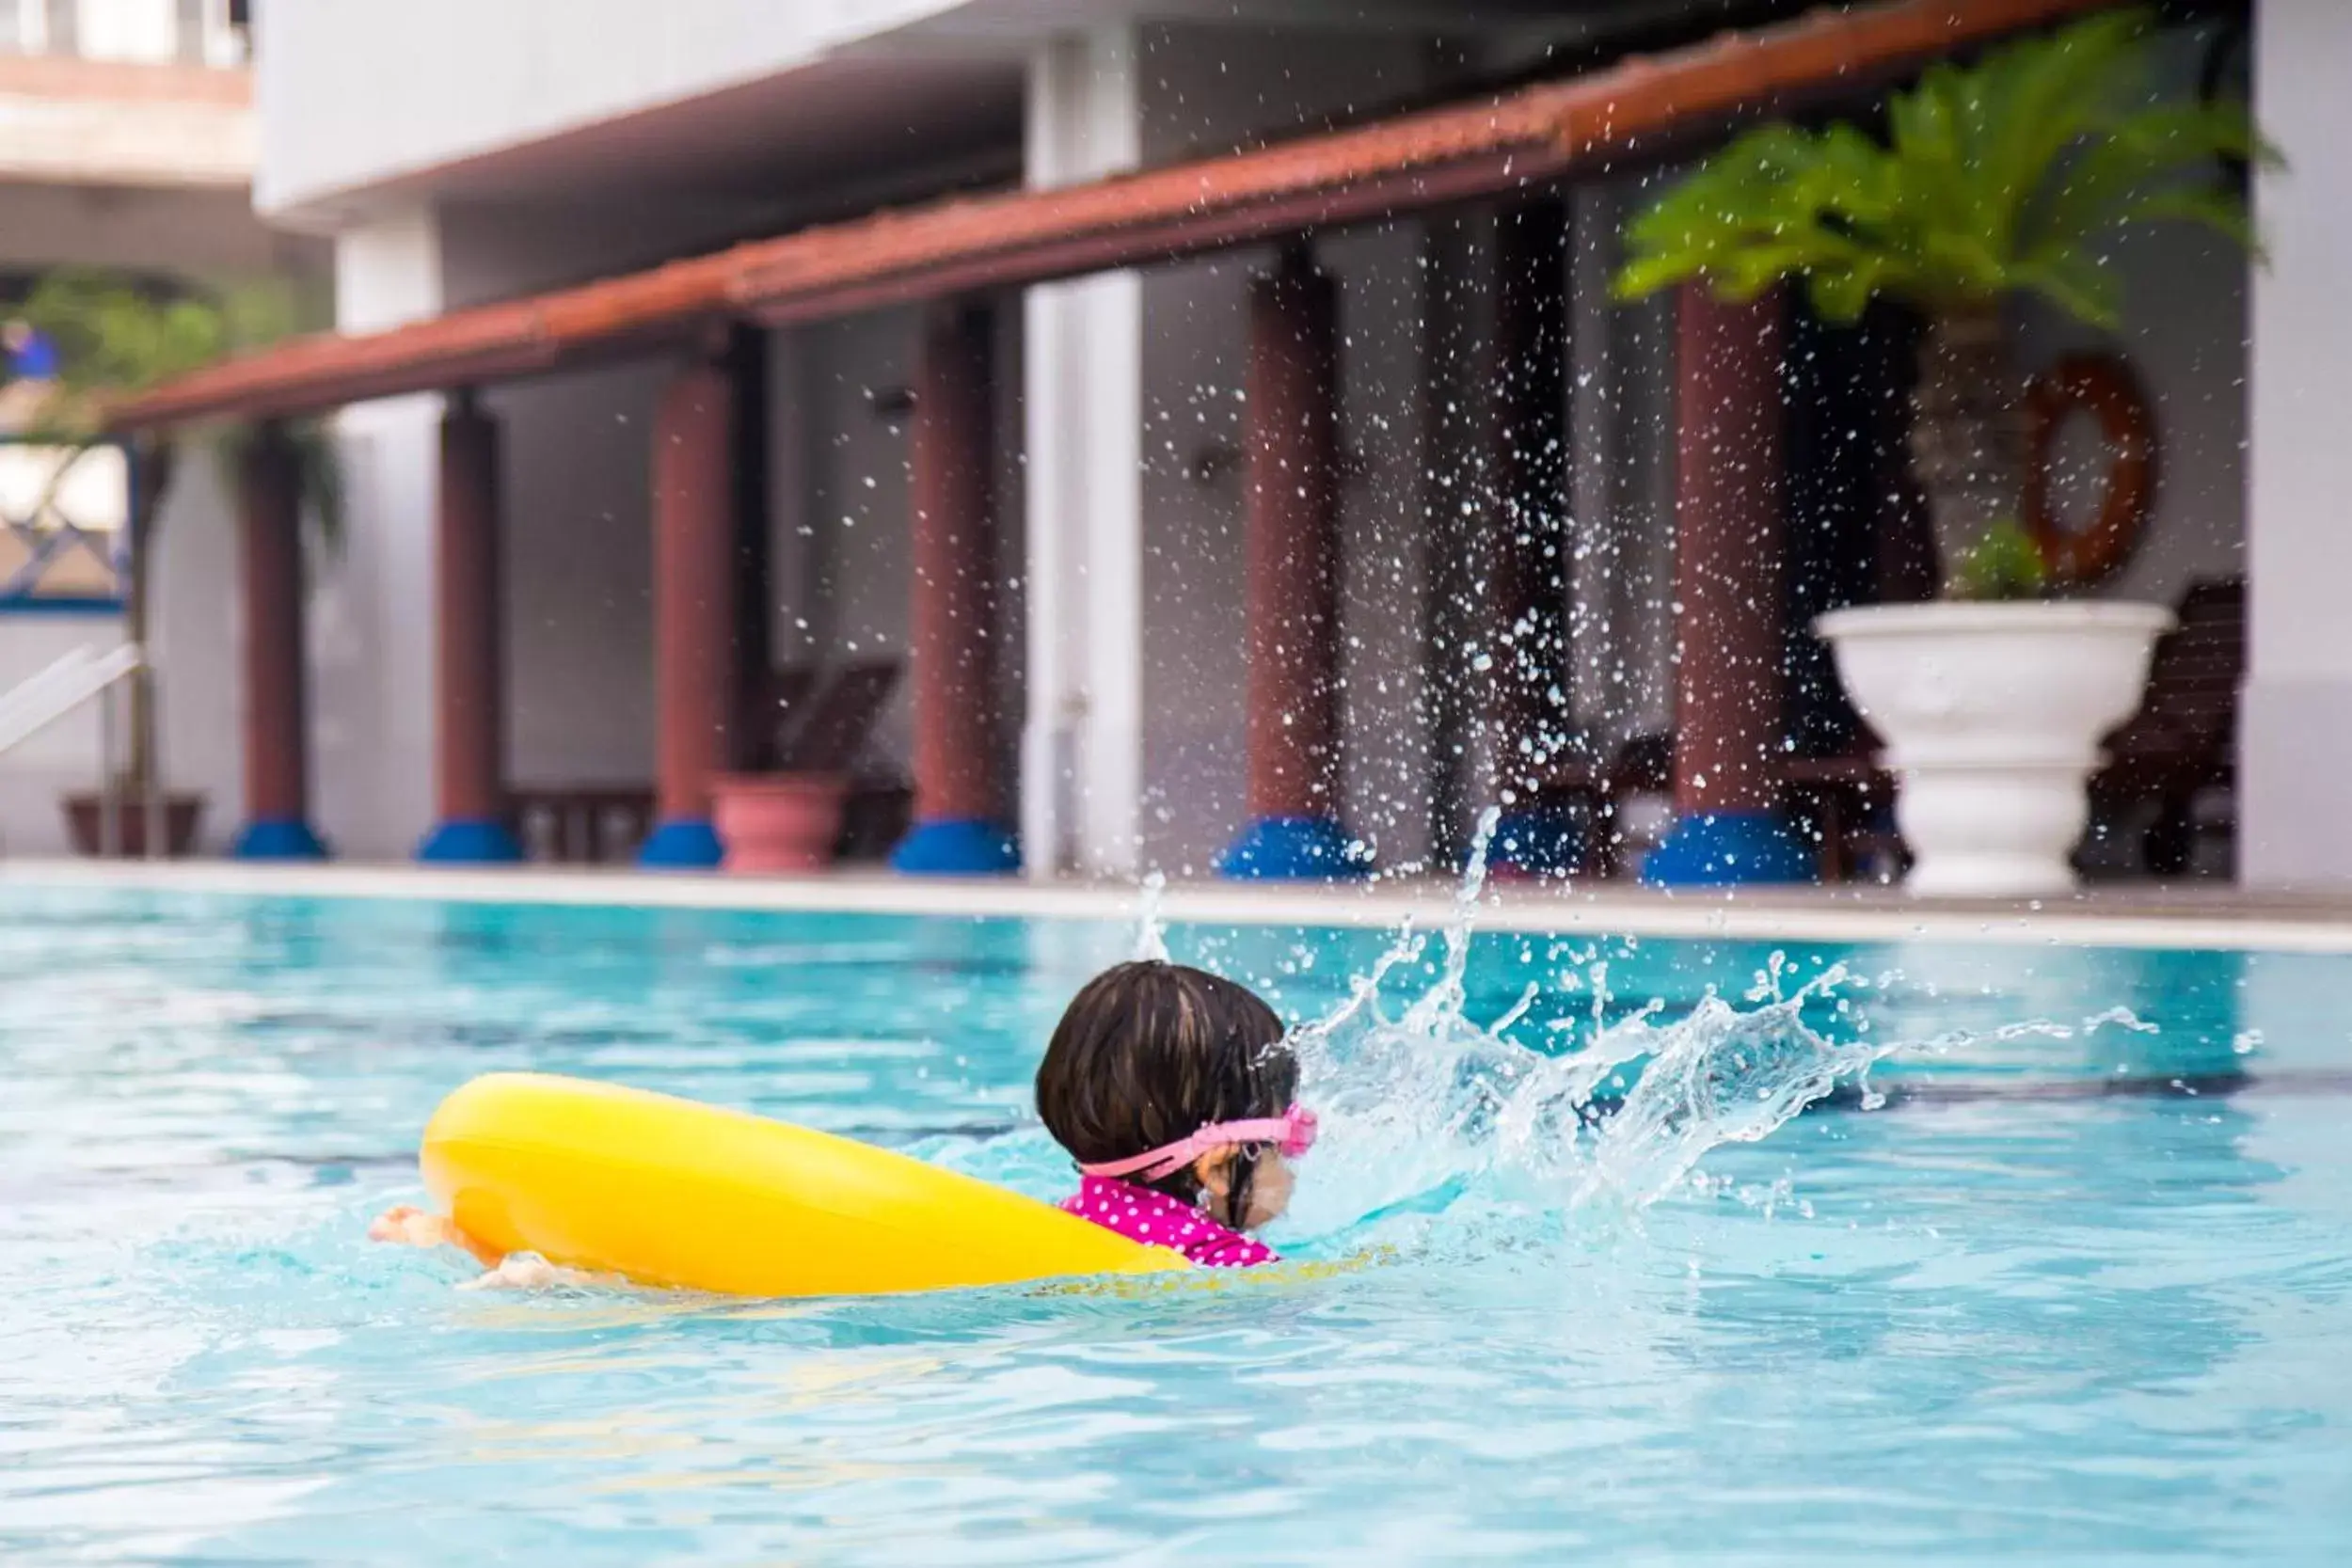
409,1226
525,1271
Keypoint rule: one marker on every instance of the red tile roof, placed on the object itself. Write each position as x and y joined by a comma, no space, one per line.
1412,163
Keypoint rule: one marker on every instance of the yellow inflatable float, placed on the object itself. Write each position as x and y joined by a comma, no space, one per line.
669,1193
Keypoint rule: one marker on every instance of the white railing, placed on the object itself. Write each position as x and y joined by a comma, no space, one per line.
34,704
193,32
51,694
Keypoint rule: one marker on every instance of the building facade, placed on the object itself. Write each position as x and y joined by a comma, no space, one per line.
1186,620
128,141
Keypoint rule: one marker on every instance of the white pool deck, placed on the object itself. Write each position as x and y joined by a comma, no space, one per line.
2110,915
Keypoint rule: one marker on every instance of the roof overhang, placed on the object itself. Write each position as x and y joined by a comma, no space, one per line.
1633,110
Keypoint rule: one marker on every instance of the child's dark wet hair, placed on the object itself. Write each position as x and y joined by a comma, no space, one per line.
1150,1053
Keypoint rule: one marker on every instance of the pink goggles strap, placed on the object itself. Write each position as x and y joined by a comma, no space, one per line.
1293,1132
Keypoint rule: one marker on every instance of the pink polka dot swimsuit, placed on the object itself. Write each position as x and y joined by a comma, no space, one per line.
1156,1219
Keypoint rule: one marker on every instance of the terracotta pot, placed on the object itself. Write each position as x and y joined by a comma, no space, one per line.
184,812
778,822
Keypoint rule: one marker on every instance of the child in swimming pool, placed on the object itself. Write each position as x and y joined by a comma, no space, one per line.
409,1226
1172,1090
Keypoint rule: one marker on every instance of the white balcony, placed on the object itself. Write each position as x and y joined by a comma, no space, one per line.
141,93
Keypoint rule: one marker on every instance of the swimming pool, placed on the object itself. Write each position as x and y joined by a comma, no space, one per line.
2081,1291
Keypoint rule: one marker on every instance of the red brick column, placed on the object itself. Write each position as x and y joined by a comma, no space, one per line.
957,826
694,607
1730,640
276,728
470,674
1293,593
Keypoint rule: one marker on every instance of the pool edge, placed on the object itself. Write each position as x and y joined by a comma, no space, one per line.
2098,919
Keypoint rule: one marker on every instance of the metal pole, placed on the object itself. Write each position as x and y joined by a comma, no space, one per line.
109,801
158,822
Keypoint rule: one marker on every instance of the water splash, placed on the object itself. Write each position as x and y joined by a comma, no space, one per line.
1425,1110
1425,1106
1150,926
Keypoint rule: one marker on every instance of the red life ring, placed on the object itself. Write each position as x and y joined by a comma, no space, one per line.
2105,387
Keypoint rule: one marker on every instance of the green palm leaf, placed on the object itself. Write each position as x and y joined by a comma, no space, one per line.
2008,176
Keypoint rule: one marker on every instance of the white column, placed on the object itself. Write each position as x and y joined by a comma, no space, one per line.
1082,749
371,623
2294,772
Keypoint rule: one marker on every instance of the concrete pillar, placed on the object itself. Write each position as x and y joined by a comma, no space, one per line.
469,663
1292,555
1729,641
1082,410
277,731
957,828
694,607
372,644
1539,832
2294,731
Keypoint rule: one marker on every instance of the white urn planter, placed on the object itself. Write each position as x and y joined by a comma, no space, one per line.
1992,715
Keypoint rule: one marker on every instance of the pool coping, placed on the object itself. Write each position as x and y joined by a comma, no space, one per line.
2137,917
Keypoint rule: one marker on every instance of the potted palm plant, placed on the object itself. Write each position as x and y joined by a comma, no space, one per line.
2002,179
115,336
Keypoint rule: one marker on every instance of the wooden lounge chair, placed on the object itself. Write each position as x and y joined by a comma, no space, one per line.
1844,804
772,709
832,738
580,824
838,720
2182,742
1644,765
793,722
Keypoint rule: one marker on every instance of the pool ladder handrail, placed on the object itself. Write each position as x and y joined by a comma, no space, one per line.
58,690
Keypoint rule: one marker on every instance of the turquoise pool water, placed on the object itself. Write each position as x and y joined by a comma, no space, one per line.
2080,1291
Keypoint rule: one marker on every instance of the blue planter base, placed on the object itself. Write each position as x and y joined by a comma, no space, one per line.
957,847
469,842
1294,849
684,844
1729,848
1538,841
279,839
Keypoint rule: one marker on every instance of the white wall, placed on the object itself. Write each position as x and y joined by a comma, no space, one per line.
353,94
196,629
2184,334
576,466
859,501
66,756
2295,735
1082,433
371,626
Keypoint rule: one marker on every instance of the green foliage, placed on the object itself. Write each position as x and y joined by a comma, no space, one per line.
2004,176
116,336
318,472
2006,563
